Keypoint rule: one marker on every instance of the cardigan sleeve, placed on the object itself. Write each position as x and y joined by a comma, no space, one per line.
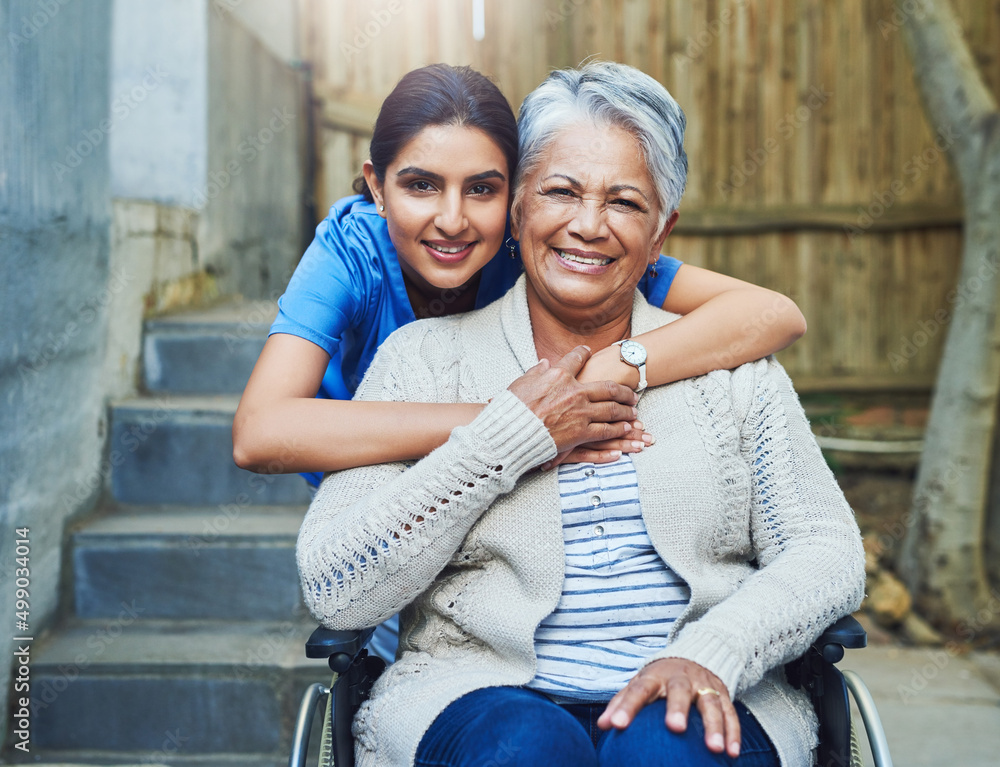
376,537
807,544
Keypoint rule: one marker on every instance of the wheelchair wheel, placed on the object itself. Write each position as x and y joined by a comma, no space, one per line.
326,758
856,759
315,697
869,715
355,671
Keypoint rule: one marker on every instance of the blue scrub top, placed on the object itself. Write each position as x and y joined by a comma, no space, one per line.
347,294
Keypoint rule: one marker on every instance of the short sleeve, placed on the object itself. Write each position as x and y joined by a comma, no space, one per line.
328,289
655,289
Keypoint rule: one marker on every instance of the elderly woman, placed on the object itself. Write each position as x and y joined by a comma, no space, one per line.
638,612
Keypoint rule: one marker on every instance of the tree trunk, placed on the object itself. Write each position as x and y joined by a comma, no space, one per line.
992,534
943,550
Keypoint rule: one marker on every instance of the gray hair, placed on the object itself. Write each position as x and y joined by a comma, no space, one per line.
607,93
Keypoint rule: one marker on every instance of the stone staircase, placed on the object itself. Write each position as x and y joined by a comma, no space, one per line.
184,642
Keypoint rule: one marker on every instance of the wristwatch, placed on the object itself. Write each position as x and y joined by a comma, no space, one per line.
633,353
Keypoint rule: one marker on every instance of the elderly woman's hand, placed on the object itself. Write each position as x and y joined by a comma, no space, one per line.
681,682
575,413
635,440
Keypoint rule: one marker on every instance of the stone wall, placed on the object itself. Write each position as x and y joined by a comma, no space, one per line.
159,87
154,269
207,153
250,235
116,119
55,217
276,25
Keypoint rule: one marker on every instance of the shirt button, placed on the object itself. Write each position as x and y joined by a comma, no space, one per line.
588,473
599,530
595,500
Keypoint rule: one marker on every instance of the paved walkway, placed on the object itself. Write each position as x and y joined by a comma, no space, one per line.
938,710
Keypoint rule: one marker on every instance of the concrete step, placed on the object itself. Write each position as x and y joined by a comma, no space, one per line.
171,692
224,562
205,352
179,450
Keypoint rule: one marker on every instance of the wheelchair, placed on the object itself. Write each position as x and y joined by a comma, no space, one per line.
355,671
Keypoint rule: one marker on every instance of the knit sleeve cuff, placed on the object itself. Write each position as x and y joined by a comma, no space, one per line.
514,434
710,652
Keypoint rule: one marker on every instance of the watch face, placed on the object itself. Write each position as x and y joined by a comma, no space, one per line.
633,352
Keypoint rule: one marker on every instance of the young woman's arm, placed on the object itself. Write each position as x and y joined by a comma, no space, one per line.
726,323
280,428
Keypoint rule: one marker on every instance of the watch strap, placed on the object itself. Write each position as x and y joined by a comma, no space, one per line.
641,367
642,379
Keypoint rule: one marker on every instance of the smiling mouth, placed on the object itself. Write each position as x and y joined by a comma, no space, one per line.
577,259
448,252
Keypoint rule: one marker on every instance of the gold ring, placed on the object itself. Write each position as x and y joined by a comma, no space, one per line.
709,691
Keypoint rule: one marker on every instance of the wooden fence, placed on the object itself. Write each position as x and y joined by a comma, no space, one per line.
812,167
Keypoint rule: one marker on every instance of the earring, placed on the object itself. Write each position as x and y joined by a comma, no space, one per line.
652,270
381,208
511,244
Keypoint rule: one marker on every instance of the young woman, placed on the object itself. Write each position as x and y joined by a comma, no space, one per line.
429,237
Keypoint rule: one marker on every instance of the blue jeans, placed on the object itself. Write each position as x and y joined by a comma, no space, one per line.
516,726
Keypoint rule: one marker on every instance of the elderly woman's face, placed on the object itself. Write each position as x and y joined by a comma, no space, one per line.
588,219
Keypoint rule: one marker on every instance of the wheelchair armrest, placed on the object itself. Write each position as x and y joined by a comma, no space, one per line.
356,672
846,633
809,669
324,642
816,673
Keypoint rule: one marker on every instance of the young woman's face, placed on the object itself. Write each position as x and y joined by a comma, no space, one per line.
445,196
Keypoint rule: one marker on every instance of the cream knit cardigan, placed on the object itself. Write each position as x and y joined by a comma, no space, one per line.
735,495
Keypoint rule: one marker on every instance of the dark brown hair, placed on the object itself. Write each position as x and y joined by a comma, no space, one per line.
440,94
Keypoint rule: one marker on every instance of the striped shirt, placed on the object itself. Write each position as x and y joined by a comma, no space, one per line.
619,597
